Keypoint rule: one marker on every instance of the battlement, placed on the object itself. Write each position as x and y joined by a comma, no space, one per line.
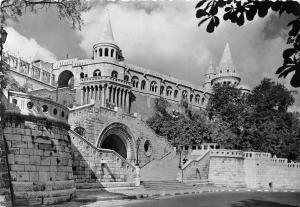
226,153
28,105
61,63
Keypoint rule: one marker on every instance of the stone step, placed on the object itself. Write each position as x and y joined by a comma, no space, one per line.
165,185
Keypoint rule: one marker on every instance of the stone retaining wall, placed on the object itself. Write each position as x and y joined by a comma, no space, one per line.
39,150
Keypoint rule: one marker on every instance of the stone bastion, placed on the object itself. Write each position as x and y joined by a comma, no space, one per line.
39,150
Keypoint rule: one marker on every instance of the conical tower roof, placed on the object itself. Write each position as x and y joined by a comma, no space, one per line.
226,63
107,35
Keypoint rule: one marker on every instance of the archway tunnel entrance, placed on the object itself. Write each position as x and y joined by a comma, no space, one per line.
114,142
117,137
65,79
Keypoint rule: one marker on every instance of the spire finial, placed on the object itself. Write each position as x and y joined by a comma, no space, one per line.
226,62
107,35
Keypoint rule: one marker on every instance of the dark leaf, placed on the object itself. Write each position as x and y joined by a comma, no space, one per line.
211,26
286,71
288,52
295,81
280,69
213,10
241,20
222,3
275,5
200,3
202,21
262,12
250,14
226,16
200,13
217,21
228,8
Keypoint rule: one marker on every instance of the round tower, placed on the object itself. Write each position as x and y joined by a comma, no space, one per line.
106,49
209,76
226,71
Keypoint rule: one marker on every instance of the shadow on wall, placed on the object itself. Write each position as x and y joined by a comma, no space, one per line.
260,203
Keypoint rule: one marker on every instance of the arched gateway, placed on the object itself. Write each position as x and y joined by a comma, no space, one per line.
117,137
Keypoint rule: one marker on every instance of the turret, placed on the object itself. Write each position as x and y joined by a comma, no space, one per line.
107,49
226,71
209,75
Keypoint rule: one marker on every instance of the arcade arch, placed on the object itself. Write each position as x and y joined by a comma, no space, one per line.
117,137
65,79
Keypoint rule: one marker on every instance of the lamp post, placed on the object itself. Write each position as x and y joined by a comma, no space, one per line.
138,142
175,116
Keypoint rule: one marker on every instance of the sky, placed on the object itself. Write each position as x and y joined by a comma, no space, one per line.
159,35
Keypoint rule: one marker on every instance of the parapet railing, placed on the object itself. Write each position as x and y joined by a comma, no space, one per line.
165,155
226,153
106,78
255,155
101,149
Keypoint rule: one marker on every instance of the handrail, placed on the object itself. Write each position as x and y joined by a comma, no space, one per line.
101,149
156,159
197,160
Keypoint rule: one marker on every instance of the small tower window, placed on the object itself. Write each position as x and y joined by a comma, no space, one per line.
162,88
175,93
135,81
143,84
114,74
191,98
97,73
81,75
106,52
153,86
100,52
126,78
112,53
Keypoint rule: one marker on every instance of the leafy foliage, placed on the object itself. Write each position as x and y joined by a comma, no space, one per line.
67,9
183,130
240,11
259,121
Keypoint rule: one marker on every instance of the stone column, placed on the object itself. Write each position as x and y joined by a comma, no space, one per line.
102,91
82,96
107,93
118,97
41,75
127,101
121,99
87,94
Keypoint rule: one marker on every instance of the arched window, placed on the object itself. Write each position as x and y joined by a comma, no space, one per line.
153,86
81,75
96,52
114,74
135,81
106,52
162,88
197,99
97,73
112,52
100,52
80,131
191,98
85,75
175,93
203,100
169,91
126,78
143,84
184,94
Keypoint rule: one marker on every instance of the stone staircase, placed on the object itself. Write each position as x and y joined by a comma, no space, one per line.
196,170
162,169
165,185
